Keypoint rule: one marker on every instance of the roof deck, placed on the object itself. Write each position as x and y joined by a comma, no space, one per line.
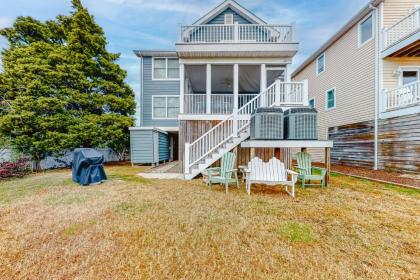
235,40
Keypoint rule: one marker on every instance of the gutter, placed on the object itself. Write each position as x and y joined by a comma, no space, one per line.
354,20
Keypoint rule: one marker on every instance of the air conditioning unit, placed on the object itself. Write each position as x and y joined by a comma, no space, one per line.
301,124
267,124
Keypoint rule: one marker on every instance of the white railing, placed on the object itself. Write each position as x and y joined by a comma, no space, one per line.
236,33
221,104
274,95
402,29
403,96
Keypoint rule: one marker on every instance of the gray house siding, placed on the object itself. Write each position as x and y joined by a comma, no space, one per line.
149,146
220,19
163,141
141,146
151,88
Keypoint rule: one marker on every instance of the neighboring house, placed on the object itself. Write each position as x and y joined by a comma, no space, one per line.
365,84
196,100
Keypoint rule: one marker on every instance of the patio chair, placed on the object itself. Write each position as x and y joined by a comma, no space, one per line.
270,173
224,174
306,171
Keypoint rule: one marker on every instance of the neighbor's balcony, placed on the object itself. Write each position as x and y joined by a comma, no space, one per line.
405,96
402,33
236,39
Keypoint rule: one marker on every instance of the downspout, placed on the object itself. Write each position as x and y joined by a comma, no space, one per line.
377,86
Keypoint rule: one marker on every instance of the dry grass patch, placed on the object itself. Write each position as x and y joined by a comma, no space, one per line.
133,228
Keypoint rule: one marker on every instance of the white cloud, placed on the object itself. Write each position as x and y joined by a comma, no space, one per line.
5,22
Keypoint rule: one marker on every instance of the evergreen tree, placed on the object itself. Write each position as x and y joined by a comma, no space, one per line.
60,87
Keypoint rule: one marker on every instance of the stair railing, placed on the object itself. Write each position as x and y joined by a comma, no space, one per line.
286,93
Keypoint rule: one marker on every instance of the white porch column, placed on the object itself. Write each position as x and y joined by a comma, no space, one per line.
263,82
235,85
235,98
208,89
288,76
181,87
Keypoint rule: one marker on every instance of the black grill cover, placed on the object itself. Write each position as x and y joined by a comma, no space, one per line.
87,167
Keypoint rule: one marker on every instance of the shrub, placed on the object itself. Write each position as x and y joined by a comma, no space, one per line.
18,168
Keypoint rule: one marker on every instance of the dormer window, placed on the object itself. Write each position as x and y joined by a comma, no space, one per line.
228,18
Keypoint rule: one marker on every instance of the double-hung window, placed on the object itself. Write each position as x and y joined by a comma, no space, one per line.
165,68
320,64
330,99
165,107
366,30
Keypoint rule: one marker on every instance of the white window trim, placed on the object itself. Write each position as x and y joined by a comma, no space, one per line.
309,101
402,69
325,64
166,67
166,107
359,31
335,99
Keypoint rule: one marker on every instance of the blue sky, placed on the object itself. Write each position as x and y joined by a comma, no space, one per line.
153,24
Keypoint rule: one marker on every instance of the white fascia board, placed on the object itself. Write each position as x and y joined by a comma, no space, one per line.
287,144
234,6
239,60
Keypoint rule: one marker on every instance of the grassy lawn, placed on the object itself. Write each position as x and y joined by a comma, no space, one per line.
132,228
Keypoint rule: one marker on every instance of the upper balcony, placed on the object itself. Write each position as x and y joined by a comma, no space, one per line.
236,40
403,37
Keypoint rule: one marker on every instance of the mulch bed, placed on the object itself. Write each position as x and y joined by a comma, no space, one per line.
388,176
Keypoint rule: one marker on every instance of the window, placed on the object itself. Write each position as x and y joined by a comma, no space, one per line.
409,76
165,68
228,18
312,102
366,30
330,99
320,64
165,107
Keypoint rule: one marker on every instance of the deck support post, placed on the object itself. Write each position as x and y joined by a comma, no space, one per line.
208,89
187,159
181,87
327,165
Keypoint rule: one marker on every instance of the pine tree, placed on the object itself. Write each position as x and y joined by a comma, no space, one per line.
61,88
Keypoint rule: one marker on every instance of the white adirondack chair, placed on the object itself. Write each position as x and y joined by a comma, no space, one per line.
269,173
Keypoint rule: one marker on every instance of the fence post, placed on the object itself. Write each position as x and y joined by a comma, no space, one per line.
187,158
305,93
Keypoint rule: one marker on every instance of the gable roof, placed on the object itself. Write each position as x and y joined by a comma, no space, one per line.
247,14
352,22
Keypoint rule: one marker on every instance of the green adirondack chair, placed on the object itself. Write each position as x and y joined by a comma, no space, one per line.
224,174
306,171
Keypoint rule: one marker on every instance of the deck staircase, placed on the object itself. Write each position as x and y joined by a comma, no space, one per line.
234,129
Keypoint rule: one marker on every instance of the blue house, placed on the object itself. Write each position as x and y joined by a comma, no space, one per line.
196,100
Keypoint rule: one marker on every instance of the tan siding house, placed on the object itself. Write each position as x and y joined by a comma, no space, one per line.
355,95
375,84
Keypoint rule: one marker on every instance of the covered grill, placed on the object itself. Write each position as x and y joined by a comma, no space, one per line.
301,124
87,167
267,124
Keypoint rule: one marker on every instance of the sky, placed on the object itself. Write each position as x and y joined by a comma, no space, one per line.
154,24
